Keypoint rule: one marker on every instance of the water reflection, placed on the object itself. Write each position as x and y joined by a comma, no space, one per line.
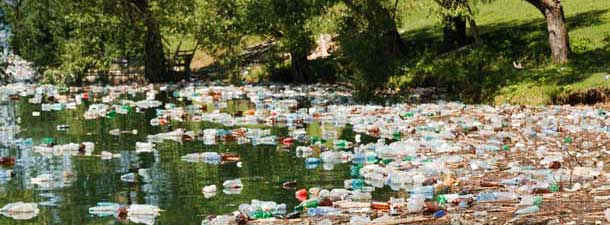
66,186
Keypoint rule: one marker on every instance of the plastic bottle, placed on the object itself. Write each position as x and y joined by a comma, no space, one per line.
359,220
528,210
342,144
355,170
261,214
321,211
209,189
439,214
48,140
281,209
301,194
416,203
233,184
486,197
360,196
316,140
311,203
63,127
529,200
426,191
354,184
506,196
104,209
129,177
20,207
311,160
303,151
359,158
139,209
114,132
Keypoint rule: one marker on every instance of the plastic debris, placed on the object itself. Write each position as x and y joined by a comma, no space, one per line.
20,210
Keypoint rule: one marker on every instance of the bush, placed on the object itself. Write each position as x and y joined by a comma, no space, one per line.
369,54
580,45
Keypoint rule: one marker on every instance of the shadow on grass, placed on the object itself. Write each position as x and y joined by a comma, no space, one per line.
477,74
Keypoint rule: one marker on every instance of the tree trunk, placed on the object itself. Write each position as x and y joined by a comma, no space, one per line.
473,26
396,43
383,18
454,32
559,42
298,62
558,34
475,31
154,59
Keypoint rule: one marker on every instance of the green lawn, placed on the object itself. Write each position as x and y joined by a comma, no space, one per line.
512,30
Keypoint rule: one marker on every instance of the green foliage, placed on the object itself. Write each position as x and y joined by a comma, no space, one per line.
225,25
71,37
221,30
38,28
370,42
383,45
580,44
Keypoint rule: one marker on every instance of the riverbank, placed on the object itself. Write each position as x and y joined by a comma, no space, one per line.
510,65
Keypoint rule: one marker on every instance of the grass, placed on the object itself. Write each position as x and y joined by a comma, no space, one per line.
200,60
512,31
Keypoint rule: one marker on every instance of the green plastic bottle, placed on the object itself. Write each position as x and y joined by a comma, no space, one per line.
48,140
62,89
262,214
387,161
111,114
428,160
538,200
316,139
466,129
396,135
307,204
126,108
341,144
355,170
441,199
554,188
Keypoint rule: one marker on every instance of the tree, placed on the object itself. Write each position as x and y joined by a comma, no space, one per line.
224,25
221,27
559,42
455,15
74,36
154,59
370,42
38,29
161,18
379,16
286,21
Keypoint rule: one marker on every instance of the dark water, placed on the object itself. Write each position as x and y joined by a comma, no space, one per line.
176,184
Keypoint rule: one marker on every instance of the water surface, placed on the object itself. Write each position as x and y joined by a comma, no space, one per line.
175,185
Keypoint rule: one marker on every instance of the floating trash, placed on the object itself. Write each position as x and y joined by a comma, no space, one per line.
20,210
